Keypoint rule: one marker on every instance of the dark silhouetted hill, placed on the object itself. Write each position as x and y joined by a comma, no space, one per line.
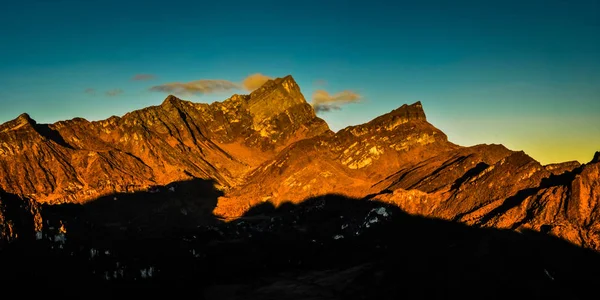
327,247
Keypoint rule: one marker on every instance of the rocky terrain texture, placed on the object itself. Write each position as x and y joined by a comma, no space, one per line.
263,182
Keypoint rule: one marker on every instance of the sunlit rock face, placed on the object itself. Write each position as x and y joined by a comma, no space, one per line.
76,161
269,146
348,162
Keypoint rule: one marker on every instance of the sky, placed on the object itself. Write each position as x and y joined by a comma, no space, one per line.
524,73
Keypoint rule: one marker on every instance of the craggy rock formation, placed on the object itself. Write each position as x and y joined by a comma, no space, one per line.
269,146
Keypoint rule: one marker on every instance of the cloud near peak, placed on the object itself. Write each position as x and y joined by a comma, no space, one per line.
322,101
255,81
208,86
197,87
320,82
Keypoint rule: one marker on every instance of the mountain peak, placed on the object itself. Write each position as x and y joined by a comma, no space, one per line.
279,80
22,122
275,97
286,79
402,115
410,111
170,100
25,118
285,84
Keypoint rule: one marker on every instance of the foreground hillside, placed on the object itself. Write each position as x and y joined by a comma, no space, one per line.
328,247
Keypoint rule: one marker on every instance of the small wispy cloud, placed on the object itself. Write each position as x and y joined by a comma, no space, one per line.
320,82
114,92
322,101
143,77
254,81
90,91
198,87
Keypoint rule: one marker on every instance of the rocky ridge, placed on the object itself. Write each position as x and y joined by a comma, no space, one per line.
77,161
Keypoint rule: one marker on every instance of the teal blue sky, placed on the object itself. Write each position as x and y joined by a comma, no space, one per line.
525,74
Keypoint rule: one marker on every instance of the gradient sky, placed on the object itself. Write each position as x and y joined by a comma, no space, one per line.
524,73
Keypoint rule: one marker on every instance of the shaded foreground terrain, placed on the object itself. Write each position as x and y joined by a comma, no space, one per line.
328,247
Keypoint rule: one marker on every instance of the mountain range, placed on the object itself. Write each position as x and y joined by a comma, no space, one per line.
270,146
249,158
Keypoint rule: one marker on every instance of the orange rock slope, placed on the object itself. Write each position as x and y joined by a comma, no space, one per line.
270,146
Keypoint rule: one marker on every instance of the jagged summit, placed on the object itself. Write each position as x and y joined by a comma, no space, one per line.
280,81
285,85
276,96
170,99
24,117
403,114
23,120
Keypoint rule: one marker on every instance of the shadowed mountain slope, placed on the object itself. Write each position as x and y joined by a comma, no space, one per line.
328,247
